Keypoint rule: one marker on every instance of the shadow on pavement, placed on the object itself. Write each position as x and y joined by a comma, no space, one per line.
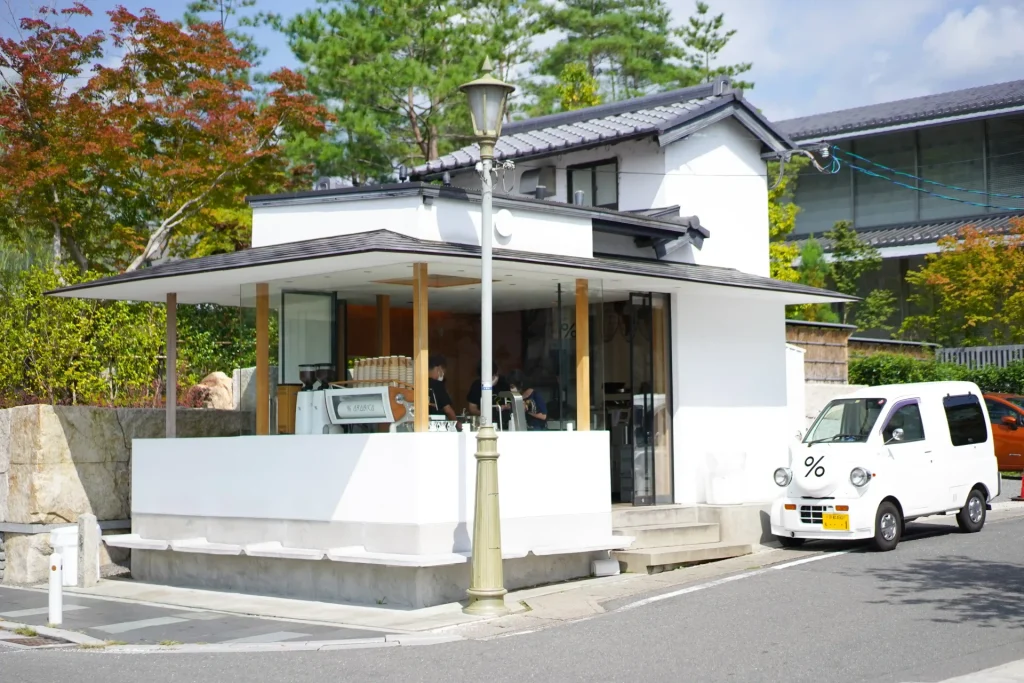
960,588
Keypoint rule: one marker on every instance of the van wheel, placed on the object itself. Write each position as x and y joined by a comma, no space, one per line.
790,542
888,527
972,515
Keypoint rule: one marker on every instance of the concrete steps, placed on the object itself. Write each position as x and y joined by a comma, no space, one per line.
653,560
662,536
670,536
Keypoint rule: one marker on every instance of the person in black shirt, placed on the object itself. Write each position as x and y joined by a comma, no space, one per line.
475,391
535,407
440,401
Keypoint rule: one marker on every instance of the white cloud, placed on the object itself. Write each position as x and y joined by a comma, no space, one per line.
976,41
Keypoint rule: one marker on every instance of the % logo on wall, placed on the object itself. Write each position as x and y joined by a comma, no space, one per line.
815,466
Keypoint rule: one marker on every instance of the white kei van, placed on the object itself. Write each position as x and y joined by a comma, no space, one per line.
882,456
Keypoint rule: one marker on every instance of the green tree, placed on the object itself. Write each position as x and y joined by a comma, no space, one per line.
782,213
971,292
577,89
628,47
814,271
852,258
705,40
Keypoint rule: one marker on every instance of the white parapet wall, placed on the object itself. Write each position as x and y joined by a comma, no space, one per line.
391,508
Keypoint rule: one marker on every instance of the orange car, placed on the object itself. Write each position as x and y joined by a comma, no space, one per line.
1007,414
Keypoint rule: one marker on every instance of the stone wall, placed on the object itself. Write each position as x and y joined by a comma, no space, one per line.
59,462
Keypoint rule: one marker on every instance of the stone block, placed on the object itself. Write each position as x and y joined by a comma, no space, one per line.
244,388
88,551
28,557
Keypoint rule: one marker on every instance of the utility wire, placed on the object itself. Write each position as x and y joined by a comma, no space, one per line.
872,174
839,151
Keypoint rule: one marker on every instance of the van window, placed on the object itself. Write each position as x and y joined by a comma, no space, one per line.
846,420
997,411
966,420
908,418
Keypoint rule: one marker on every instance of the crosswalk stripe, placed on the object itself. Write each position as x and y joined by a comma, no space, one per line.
38,611
199,616
269,637
133,625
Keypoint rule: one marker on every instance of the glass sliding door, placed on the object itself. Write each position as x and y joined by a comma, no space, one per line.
307,332
650,418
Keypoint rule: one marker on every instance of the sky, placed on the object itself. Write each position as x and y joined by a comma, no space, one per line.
809,56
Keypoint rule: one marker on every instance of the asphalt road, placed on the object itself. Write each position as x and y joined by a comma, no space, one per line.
941,605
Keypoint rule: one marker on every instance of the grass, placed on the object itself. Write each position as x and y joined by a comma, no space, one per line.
169,643
382,601
93,646
26,631
112,643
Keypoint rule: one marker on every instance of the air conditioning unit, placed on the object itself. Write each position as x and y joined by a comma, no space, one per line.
533,178
331,183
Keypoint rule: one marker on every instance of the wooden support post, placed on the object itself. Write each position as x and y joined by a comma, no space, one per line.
582,356
262,359
384,325
172,367
420,344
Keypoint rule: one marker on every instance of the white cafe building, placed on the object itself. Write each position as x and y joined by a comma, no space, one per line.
630,286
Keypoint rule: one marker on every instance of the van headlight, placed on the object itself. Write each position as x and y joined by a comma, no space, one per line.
859,476
783,476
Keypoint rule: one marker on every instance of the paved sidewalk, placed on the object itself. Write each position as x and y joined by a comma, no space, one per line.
1007,673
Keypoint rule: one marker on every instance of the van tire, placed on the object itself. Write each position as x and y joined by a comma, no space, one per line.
971,517
888,527
790,542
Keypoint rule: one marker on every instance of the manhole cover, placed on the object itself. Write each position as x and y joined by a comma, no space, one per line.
34,641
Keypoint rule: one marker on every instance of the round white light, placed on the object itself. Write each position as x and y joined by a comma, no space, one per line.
859,476
783,476
503,223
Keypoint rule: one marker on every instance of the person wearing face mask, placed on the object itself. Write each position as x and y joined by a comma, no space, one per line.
440,401
475,391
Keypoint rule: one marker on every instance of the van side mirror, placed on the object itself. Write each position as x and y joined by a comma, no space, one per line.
897,436
1010,421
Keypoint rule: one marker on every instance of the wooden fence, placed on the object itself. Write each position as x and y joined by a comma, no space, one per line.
827,356
982,356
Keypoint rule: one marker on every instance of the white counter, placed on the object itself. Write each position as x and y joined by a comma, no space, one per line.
396,499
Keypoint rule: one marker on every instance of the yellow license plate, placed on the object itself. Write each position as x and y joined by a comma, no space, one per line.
835,521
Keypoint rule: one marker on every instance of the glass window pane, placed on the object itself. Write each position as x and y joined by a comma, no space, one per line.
877,201
966,420
607,191
907,418
1006,160
952,155
582,179
307,332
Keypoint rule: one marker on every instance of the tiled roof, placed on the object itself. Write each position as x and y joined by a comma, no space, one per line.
392,242
650,115
923,232
905,112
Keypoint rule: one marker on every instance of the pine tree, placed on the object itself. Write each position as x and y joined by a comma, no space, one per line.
704,40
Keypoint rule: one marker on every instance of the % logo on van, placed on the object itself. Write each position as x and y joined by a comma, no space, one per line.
815,466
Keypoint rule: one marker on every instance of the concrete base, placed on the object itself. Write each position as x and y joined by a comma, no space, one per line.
343,582
748,524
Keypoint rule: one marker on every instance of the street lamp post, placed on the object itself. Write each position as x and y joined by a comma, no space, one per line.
487,100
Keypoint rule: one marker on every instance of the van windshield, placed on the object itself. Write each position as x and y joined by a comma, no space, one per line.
846,420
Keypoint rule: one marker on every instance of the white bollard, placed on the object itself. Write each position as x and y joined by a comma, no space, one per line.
56,590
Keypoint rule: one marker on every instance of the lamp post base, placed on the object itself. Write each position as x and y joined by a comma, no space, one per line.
486,589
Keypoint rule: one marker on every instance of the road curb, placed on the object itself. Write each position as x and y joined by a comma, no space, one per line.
398,640
70,636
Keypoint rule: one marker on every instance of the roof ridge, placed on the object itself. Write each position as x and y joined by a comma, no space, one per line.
905,99
720,86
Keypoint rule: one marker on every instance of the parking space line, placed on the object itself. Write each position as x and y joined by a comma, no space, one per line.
133,625
37,611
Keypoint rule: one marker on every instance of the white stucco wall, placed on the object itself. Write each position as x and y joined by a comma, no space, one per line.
443,220
730,402
717,174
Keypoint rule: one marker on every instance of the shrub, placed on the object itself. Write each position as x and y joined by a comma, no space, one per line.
884,368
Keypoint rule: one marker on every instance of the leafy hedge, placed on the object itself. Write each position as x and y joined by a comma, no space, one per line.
110,353
885,368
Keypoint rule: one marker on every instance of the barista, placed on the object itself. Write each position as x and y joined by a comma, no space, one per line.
475,391
440,401
535,407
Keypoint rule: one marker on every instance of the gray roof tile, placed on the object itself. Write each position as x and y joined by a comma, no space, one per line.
650,115
916,110
924,232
